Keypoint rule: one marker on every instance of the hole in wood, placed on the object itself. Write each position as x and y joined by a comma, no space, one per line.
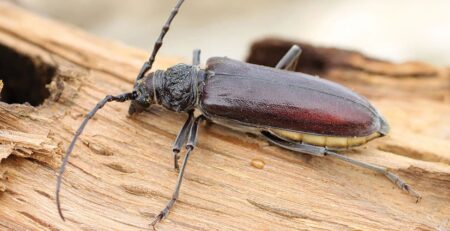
24,78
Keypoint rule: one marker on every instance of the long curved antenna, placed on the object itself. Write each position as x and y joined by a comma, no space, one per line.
148,64
108,98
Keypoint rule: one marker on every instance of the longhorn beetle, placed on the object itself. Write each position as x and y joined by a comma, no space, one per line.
293,110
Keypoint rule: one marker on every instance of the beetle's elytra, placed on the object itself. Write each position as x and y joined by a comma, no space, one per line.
293,110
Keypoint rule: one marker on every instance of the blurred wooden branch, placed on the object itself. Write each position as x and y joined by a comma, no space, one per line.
121,174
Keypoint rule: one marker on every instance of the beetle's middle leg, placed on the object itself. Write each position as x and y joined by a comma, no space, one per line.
322,151
290,59
196,57
192,140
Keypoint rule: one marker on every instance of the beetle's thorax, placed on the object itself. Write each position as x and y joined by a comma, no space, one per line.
177,87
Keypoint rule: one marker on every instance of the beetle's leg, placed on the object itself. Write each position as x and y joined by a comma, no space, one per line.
290,59
297,147
181,138
321,151
196,57
391,176
192,139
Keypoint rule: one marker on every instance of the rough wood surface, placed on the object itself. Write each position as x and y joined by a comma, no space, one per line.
121,174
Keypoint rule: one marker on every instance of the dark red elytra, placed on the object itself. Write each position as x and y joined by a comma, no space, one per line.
273,98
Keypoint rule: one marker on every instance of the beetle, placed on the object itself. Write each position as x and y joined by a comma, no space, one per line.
292,110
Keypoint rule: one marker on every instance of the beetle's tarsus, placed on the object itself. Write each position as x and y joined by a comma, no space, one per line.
403,185
157,219
163,214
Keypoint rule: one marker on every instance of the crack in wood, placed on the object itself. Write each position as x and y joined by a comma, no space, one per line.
120,167
39,221
142,191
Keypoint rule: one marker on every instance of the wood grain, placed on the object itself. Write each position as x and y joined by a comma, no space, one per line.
121,173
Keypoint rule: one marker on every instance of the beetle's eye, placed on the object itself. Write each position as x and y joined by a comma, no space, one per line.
142,98
141,101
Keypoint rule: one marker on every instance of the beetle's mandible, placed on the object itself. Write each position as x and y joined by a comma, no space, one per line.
293,110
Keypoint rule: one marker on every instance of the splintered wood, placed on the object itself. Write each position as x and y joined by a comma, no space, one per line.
121,174
38,147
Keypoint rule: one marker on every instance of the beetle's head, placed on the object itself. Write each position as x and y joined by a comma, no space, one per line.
144,94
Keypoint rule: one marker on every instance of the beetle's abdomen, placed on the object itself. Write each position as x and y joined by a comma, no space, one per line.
331,142
270,98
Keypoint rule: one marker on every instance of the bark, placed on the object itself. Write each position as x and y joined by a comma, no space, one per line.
121,172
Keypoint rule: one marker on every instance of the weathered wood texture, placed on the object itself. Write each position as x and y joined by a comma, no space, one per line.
121,174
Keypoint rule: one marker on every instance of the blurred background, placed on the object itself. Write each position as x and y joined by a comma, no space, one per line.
396,30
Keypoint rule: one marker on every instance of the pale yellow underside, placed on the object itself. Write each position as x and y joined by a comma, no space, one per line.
326,141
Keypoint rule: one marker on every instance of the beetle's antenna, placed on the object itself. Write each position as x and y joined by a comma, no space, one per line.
108,98
148,64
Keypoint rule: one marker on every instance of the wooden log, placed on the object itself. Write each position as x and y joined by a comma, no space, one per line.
121,173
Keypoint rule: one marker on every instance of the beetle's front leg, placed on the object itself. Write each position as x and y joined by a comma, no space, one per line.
181,138
192,140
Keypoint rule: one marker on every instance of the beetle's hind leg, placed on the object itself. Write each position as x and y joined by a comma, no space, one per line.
322,151
290,59
382,170
192,139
